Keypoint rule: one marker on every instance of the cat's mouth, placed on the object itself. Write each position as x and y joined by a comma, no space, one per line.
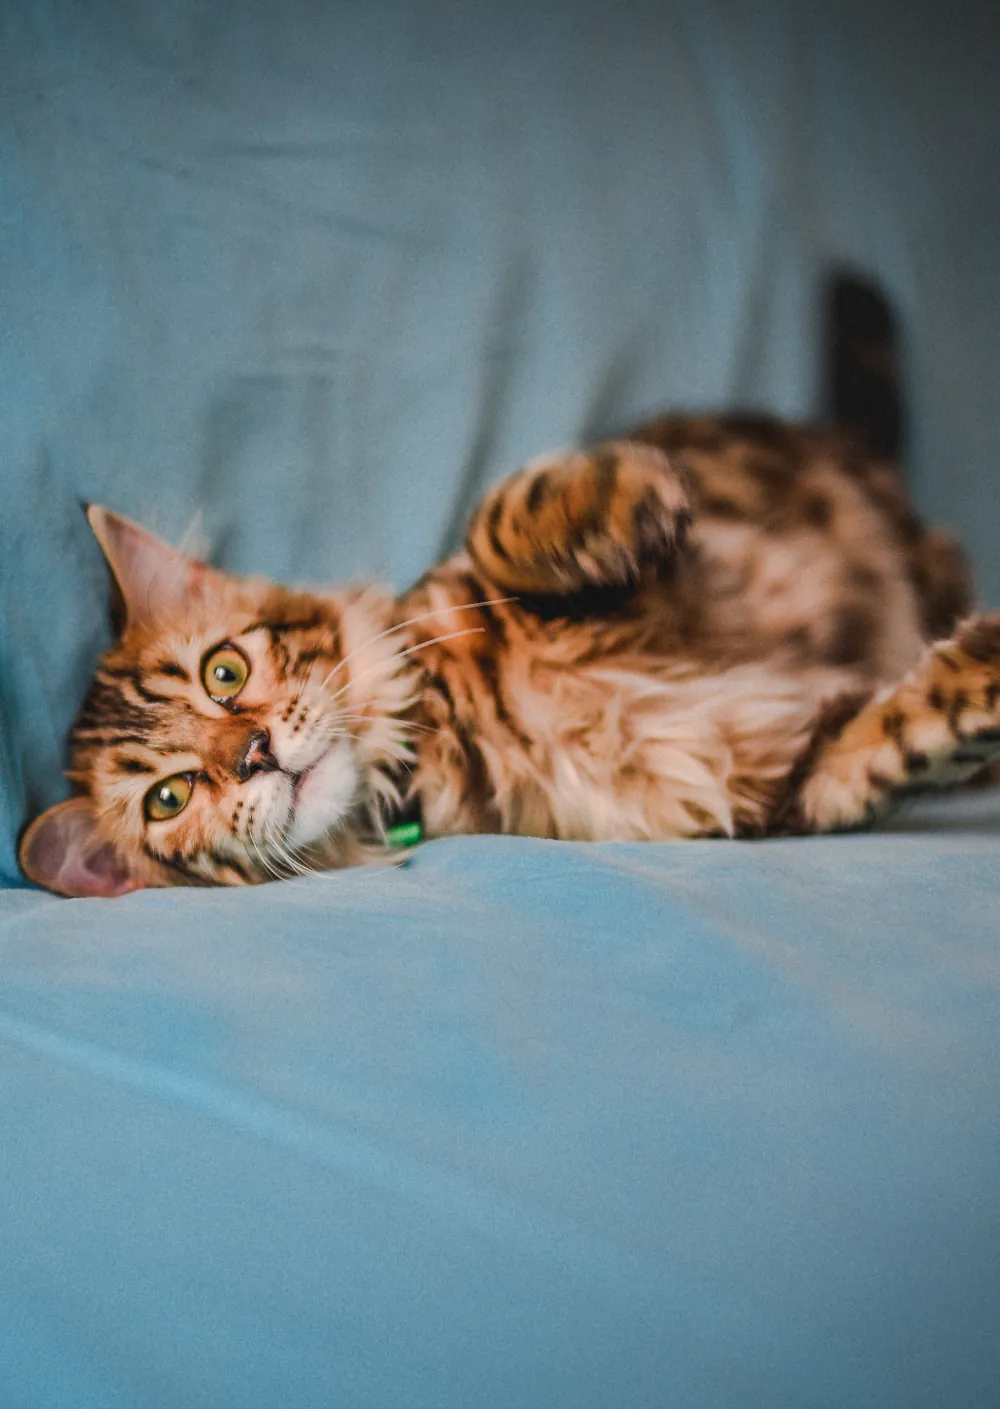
301,781
322,794
299,778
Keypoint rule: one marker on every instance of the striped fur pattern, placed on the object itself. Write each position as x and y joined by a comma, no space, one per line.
715,627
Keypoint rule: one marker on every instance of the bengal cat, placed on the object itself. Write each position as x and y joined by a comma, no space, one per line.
717,627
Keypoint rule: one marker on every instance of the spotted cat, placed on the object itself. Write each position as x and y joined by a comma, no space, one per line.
714,627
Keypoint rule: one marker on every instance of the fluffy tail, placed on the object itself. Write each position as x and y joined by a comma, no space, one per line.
866,401
863,377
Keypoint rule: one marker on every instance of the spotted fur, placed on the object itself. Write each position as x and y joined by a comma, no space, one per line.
716,627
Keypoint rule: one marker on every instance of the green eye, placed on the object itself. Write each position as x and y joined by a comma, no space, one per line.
225,672
168,797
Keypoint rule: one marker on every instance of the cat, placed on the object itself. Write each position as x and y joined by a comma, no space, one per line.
715,627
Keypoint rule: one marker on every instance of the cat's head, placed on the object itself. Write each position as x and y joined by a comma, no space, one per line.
236,731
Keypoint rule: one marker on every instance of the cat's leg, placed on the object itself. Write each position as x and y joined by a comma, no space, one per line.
611,516
940,726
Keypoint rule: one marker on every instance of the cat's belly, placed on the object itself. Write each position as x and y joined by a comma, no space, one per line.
675,717
608,751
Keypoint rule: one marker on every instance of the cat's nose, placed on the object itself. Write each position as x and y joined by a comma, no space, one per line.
255,756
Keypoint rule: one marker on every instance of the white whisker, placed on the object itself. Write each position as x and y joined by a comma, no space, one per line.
414,621
308,870
272,839
294,855
287,869
401,655
265,863
371,719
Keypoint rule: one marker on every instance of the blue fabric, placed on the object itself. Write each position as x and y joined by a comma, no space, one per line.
526,1125
521,1125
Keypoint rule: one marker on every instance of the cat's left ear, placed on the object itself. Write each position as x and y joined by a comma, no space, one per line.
154,580
63,851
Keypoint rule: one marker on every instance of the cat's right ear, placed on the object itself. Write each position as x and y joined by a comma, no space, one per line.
62,851
154,580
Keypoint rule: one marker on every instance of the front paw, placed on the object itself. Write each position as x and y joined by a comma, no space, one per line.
968,689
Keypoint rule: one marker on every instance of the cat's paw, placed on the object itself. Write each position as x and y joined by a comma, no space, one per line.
611,516
650,512
937,728
966,685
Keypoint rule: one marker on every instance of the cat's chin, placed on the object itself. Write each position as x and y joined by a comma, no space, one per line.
323,796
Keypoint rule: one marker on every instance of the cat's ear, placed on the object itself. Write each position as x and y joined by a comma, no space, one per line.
154,580
62,851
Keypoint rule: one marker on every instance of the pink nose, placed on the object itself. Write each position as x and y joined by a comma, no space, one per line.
255,757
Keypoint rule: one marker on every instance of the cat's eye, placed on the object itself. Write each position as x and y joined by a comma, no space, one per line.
168,797
225,672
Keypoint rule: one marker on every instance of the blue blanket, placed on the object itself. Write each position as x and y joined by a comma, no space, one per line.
527,1125
523,1124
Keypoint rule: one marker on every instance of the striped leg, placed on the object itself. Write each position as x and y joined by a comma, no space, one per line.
606,517
940,726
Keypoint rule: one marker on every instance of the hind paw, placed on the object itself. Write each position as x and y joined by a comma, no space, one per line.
965,685
607,517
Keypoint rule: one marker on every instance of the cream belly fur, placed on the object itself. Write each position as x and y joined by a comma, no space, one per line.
628,746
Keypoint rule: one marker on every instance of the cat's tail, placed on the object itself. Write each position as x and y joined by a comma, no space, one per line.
863,374
865,401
